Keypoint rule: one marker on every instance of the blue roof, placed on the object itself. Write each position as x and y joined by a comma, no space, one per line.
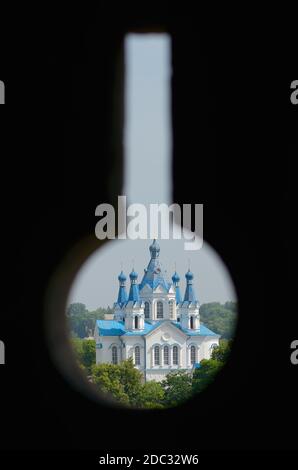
203,331
117,328
134,294
175,277
155,275
197,365
110,327
189,295
122,277
178,294
147,328
122,295
133,275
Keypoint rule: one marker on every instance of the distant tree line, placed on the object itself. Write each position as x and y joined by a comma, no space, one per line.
85,353
82,321
220,318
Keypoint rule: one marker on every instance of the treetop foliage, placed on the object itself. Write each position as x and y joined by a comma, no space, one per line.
82,321
125,384
220,318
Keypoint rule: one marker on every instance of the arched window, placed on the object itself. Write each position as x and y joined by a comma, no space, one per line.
137,356
146,310
136,323
114,355
159,307
175,355
166,355
171,309
156,356
193,355
191,323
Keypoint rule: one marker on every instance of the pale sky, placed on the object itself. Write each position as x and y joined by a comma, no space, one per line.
147,143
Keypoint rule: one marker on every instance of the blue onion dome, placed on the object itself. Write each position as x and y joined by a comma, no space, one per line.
189,275
122,277
154,249
175,277
133,275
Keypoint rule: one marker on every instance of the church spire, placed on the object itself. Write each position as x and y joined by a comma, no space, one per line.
176,279
122,294
154,274
134,295
154,249
189,295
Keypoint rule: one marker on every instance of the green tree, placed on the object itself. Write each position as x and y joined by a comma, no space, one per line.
122,381
205,374
76,309
177,388
222,352
108,379
82,321
220,318
231,305
131,378
78,325
151,395
85,352
77,345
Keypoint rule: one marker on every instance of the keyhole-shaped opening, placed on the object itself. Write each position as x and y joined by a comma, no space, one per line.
137,327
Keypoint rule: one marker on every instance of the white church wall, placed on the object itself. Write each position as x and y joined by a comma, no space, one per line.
165,334
207,345
130,343
104,346
185,313
159,294
165,302
130,314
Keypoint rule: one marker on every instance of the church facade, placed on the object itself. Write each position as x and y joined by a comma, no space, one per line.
154,325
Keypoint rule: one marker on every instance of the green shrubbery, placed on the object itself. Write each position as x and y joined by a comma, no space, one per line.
220,318
85,352
124,383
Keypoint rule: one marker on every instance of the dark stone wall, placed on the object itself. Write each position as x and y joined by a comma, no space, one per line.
235,138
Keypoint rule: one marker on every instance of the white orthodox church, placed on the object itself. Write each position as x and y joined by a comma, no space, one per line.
153,324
